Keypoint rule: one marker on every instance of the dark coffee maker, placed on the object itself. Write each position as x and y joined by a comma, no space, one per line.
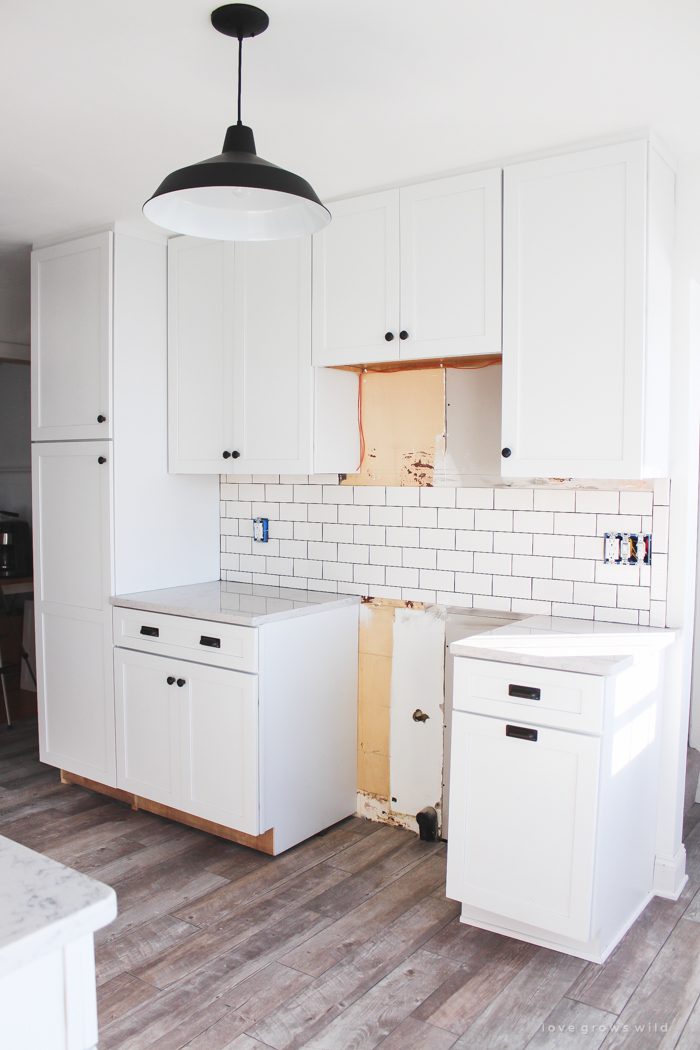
15,547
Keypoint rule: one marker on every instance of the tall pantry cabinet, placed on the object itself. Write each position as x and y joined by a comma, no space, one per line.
108,518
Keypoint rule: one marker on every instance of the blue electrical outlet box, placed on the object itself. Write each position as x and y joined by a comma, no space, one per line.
260,529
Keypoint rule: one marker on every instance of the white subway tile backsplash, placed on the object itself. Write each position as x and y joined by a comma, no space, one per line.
575,524
402,497
396,577
419,557
597,502
385,555
643,618
662,492
474,541
512,542
460,561
535,550
386,516
494,520
513,499
533,521
475,498
498,563
553,546
420,517
636,502
441,539
554,499
370,495
533,567
431,497
512,586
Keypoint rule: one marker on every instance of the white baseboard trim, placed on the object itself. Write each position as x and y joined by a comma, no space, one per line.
669,875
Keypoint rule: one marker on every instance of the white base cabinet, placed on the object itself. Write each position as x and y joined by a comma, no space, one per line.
268,749
553,801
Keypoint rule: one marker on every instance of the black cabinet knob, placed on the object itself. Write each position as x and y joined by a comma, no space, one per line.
505,452
101,419
235,455
403,334
101,459
227,455
170,680
181,682
389,336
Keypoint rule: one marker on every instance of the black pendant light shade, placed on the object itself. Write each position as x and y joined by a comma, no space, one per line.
237,196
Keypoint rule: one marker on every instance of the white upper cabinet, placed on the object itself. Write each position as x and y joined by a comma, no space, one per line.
72,340
410,273
451,267
356,282
200,364
588,241
242,394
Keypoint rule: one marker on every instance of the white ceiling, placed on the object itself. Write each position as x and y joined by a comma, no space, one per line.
100,100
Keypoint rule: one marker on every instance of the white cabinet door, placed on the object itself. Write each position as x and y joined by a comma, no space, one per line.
219,733
200,358
148,701
72,512
574,314
72,340
356,282
523,822
273,382
451,266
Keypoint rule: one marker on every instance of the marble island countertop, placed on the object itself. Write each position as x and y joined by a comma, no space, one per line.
241,603
45,905
584,646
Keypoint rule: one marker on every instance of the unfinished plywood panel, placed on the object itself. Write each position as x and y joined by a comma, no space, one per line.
374,698
472,448
417,683
403,426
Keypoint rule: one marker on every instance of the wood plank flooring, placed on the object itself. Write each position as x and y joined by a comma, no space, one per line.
346,942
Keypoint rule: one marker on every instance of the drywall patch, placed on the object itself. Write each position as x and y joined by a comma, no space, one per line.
417,688
403,426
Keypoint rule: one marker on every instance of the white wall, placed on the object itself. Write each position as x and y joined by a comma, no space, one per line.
15,479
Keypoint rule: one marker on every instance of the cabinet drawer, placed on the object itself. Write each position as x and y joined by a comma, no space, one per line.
536,695
218,644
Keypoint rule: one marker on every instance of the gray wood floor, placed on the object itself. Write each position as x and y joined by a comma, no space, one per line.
346,942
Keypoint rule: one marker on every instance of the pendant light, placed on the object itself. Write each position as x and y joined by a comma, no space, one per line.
237,196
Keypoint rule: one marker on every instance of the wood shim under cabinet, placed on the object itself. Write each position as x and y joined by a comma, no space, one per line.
265,843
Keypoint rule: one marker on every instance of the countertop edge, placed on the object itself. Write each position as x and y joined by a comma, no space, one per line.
576,664
238,619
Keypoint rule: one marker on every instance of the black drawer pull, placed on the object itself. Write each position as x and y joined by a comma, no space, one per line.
152,632
525,692
521,732
215,643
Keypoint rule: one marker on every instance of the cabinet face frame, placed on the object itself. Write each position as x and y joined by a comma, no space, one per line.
520,417
468,732
97,695
55,381
381,257
486,263
220,389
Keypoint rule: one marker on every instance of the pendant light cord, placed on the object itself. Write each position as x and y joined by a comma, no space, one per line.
240,63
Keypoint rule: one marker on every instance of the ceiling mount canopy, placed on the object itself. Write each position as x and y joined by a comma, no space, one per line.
237,196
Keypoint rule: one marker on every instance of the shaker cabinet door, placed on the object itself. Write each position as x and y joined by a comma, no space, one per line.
200,356
219,734
147,700
523,822
72,518
72,340
356,282
574,315
451,267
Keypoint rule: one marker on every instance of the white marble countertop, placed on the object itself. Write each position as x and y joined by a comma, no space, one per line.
243,603
584,646
45,905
